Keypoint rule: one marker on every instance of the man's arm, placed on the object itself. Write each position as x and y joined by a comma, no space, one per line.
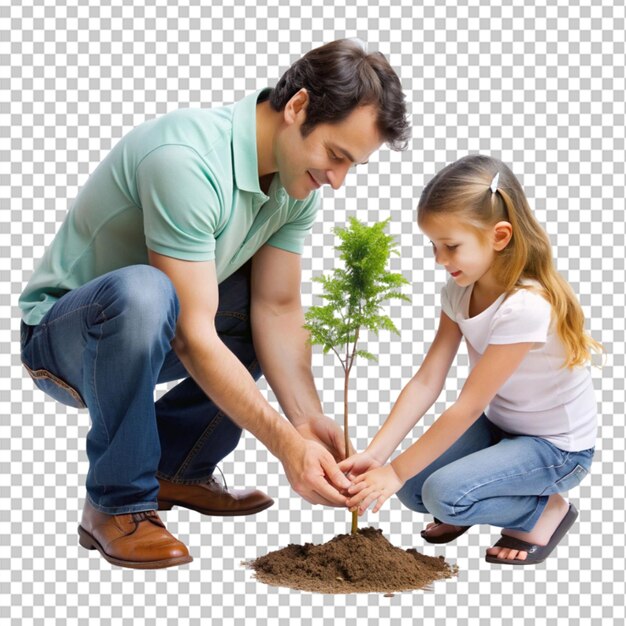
227,382
281,345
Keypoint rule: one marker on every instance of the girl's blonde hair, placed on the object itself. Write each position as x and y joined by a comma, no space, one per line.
463,189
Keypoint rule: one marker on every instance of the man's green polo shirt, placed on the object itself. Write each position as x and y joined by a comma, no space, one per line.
185,185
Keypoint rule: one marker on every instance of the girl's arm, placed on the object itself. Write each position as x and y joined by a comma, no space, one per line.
490,373
415,399
420,392
492,370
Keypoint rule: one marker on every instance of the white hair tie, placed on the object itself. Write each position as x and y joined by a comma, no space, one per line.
494,182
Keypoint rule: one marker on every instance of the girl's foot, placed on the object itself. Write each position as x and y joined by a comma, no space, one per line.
440,532
552,516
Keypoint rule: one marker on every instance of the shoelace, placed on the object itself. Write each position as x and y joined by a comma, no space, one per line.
212,479
148,516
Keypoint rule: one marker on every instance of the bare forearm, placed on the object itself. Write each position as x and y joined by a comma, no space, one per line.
434,442
414,400
281,345
229,384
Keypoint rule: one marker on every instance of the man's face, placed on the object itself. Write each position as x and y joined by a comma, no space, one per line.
326,154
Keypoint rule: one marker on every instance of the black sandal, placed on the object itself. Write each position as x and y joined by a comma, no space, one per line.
535,554
446,537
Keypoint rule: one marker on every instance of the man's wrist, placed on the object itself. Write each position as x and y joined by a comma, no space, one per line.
304,419
286,438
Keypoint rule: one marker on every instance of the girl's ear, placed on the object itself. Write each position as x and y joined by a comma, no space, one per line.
502,233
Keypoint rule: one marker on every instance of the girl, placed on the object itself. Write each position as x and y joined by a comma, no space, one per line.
527,347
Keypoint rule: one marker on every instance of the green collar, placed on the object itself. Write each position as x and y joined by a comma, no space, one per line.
246,165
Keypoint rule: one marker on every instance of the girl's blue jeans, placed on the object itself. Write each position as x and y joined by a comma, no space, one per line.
104,346
492,477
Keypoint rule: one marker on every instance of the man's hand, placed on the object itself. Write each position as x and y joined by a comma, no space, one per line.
327,432
282,348
314,475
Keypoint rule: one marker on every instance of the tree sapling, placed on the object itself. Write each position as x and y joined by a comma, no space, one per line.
353,297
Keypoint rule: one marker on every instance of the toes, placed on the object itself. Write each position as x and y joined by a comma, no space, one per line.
518,555
507,554
432,529
512,555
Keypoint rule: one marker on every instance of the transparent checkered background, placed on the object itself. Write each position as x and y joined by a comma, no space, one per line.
540,87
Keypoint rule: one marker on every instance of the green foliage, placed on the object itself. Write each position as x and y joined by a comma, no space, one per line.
355,293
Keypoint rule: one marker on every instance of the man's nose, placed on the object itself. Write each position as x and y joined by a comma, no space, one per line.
337,175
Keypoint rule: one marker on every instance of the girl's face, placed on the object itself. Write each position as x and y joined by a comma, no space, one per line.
467,257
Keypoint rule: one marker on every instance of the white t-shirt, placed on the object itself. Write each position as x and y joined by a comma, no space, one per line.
541,398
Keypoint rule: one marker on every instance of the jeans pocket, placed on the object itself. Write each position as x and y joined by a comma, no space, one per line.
56,388
571,480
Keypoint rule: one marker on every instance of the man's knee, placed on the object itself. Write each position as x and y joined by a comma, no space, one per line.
143,298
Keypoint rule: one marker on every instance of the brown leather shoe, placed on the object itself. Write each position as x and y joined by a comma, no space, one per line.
211,498
138,540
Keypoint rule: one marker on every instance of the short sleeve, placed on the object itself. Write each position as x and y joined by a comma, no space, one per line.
447,299
291,236
523,317
445,303
180,202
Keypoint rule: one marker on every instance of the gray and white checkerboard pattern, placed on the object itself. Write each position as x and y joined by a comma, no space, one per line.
541,87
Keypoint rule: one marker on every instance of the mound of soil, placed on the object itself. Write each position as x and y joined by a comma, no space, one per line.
363,562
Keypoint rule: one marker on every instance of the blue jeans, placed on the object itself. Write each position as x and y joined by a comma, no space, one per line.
104,346
492,477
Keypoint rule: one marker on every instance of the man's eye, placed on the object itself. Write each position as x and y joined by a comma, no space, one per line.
334,157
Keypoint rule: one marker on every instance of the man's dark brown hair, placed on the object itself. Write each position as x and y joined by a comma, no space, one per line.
341,76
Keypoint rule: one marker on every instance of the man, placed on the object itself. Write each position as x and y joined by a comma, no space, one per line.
180,258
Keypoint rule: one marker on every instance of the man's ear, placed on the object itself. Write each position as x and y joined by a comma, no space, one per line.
295,109
502,233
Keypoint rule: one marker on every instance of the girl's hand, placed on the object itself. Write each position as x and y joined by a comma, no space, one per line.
358,464
376,485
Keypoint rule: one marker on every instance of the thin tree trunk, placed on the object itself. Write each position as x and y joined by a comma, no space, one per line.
345,414
348,367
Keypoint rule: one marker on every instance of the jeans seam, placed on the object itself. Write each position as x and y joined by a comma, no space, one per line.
113,510
206,433
198,446
80,308
46,373
239,316
95,394
535,512
42,373
184,481
495,480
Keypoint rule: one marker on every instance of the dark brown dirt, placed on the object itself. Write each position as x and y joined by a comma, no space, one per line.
365,562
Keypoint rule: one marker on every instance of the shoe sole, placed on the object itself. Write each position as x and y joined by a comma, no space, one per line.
89,542
166,505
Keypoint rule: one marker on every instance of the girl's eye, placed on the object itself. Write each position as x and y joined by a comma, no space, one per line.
449,248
